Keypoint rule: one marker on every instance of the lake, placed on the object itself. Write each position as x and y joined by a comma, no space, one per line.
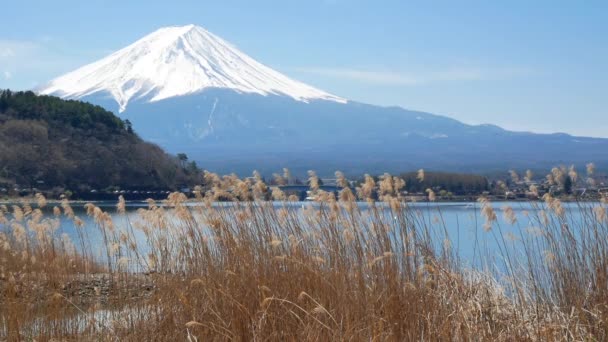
462,222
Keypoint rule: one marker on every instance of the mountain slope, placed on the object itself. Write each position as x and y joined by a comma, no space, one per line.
232,132
189,91
48,142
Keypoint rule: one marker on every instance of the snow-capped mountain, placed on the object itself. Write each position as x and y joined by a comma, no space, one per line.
190,91
177,61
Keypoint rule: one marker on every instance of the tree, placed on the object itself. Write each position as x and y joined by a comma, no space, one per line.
192,168
568,185
129,126
183,158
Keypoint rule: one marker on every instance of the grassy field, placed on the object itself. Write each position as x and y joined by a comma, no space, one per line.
332,271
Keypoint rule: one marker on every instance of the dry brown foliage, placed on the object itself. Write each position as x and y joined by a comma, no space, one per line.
333,269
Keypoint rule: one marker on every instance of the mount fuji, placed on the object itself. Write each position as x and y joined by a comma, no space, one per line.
178,61
190,91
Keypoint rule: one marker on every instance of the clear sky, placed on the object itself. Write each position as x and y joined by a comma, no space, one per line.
524,65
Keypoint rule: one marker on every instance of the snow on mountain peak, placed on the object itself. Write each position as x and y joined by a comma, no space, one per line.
175,61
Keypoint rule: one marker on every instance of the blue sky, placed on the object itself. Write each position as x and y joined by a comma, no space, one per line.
524,65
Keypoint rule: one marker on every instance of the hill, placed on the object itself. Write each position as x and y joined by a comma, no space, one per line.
48,142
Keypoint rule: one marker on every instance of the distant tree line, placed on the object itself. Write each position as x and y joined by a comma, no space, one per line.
46,141
456,183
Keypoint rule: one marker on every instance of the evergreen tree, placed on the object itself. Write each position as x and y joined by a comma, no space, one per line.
129,126
183,158
568,185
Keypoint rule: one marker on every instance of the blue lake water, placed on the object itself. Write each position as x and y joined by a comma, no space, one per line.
462,222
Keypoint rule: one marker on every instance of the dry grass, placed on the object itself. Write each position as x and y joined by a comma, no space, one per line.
334,269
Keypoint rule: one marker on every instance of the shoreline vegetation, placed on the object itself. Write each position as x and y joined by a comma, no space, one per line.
464,199
335,270
561,182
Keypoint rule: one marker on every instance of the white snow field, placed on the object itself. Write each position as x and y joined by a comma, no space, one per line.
176,61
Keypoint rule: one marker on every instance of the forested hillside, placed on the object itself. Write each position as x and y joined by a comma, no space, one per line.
46,141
